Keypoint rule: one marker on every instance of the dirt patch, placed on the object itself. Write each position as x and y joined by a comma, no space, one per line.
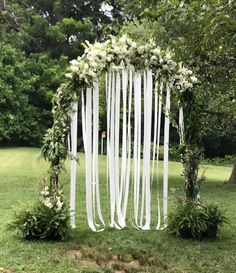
88,263
6,270
115,263
75,254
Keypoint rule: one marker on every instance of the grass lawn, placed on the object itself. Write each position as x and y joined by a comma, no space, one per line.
21,170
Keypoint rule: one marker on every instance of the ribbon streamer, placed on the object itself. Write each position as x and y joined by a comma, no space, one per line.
73,155
130,120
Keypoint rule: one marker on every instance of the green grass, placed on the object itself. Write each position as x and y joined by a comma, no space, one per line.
21,170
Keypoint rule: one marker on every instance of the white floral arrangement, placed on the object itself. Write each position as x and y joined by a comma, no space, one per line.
51,198
124,52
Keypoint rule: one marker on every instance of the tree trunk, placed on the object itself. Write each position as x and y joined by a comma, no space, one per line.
232,179
3,4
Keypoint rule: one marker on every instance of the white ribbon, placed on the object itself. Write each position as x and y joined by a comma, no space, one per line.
73,154
90,119
166,154
137,145
181,124
146,193
157,158
119,92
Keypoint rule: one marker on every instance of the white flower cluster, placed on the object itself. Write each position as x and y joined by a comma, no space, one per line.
45,192
184,78
51,199
125,52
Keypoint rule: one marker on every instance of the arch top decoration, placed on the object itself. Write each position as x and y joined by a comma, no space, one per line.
133,72
123,52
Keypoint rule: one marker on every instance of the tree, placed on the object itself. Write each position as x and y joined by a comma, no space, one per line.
26,89
37,38
202,34
58,27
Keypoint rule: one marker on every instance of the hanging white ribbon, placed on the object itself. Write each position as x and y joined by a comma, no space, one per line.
95,152
73,153
137,145
123,182
129,140
118,175
146,179
113,151
157,156
181,124
166,154
90,119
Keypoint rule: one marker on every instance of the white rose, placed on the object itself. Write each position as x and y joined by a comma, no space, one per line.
153,58
140,50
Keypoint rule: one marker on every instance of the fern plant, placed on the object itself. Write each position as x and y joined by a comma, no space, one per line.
46,219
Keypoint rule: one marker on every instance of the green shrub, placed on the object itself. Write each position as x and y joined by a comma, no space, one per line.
218,161
196,220
47,219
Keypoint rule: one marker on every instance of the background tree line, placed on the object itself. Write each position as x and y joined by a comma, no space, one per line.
38,38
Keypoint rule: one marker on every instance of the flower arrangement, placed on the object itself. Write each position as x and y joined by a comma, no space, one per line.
46,219
116,52
51,198
124,52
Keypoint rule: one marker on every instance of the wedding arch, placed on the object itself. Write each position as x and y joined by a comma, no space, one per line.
140,81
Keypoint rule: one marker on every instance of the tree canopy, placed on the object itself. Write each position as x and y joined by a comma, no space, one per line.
38,38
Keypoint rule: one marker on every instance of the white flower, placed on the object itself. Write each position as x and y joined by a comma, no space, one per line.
47,202
69,75
165,66
189,72
74,62
109,58
168,55
123,39
157,50
59,203
188,85
45,191
74,68
140,50
133,45
153,59
193,79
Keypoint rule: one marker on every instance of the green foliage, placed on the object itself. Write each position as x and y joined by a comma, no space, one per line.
196,220
47,219
27,84
221,161
153,249
55,149
202,34
57,27
35,38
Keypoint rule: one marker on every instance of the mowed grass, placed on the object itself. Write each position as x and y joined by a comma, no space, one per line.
21,170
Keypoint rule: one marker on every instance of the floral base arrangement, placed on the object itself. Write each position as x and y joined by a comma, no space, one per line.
47,219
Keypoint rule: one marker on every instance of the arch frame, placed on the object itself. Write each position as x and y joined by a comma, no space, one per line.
116,52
